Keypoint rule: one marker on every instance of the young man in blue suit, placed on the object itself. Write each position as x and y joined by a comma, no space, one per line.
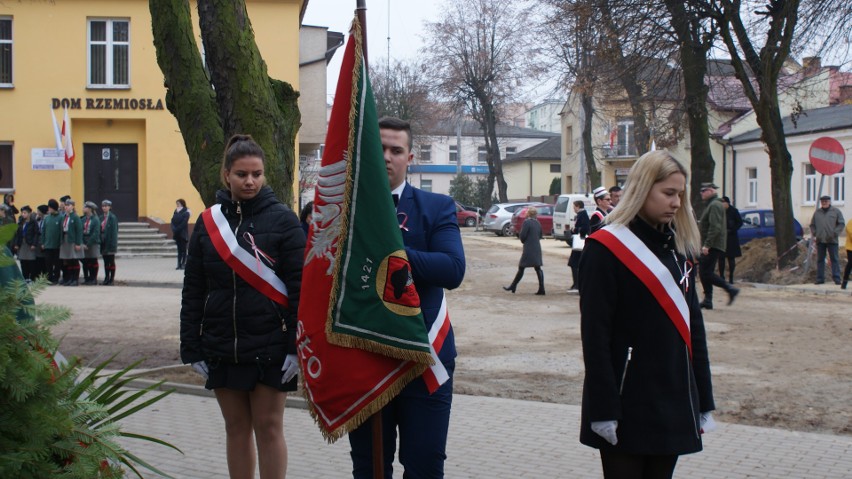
434,248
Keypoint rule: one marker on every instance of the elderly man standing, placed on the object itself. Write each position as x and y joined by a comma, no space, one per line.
826,225
714,234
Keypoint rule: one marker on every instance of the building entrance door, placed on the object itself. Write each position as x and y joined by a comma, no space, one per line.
111,172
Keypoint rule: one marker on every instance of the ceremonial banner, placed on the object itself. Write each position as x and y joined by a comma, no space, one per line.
361,334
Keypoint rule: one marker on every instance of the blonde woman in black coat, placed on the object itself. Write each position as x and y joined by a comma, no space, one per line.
530,236
647,392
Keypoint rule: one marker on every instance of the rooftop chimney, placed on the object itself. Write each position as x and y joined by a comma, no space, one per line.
812,64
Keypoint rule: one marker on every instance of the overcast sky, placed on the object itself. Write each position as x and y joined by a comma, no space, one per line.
406,27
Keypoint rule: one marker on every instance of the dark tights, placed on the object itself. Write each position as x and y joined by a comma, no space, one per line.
109,268
619,465
848,266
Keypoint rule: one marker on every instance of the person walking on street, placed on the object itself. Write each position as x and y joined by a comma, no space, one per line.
647,390
238,323
530,236
434,248
180,227
826,226
714,241
734,222
109,241
848,255
91,243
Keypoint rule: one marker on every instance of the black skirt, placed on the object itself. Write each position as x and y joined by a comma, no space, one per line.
244,377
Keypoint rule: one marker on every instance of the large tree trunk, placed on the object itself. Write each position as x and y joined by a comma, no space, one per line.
693,61
641,132
244,100
495,165
593,176
781,171
188,94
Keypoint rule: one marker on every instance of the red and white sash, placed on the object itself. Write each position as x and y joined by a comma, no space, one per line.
634,254
249,267
437,374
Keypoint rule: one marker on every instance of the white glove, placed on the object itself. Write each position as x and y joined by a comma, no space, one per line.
201,368
606,430
707,422
290,368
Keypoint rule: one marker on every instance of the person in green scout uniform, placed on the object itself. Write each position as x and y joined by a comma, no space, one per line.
71,248
109,241
91,243
51,239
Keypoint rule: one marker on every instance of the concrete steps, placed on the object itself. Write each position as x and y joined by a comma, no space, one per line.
140,240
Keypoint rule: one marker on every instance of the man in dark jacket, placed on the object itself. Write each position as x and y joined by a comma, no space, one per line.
826,225
434,248
714,237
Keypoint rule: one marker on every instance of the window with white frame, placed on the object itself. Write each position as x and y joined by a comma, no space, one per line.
426,153
426,185
454,153
626,145
109,53
838,187
482,154
810,186
7,167
751,176
5,52
510,150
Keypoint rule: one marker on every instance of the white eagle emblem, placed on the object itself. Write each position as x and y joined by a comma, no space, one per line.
331,188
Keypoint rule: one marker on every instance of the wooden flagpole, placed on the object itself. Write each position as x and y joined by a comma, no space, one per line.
376,419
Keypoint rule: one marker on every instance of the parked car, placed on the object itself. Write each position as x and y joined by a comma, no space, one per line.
498,218
761,224
545,217
563,213
465,216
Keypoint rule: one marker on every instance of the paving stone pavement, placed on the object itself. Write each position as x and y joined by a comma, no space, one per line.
489,438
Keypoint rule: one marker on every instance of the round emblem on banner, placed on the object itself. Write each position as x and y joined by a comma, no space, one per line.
395,285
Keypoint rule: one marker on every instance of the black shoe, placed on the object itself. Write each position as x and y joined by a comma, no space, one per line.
837,282
509,288
732,295
843,284
539,293
819,282
72,282
706,305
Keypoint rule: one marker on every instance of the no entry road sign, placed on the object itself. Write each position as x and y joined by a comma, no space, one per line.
827,155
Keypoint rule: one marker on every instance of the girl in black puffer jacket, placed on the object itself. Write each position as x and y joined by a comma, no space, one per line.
238,327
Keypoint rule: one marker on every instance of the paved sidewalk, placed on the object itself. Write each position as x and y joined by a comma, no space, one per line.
489,438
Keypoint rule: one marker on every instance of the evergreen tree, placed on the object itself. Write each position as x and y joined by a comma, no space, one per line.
55,421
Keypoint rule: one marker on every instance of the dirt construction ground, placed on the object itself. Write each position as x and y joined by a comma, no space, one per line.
780,357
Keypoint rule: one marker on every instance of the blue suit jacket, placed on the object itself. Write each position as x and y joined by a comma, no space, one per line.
434,248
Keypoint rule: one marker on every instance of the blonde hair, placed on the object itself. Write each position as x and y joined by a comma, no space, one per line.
649,169
532,212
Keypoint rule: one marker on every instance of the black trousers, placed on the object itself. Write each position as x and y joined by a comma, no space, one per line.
52,264
848,266
707,272
620,465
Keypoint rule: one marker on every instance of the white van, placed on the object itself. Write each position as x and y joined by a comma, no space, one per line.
563,213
